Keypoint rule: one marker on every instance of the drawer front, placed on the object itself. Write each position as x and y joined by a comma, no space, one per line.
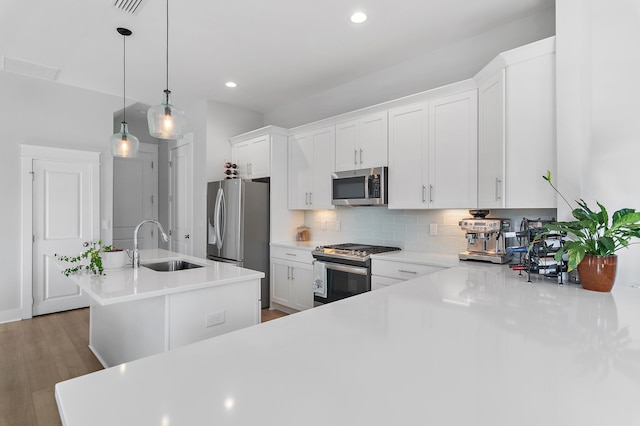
292,254
382,282
401,270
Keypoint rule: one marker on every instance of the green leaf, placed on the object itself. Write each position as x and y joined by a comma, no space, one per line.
607,246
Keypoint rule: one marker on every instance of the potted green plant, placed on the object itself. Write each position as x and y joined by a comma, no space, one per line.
90,260
593,238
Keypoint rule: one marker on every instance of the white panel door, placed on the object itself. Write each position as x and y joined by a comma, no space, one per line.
63,221
135,195
453,151
408,139
181,194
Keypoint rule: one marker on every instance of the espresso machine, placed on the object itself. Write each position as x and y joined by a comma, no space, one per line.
486,237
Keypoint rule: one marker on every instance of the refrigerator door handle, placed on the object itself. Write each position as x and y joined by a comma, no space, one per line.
219,213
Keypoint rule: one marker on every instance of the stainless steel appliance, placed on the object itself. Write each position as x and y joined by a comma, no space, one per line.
486,238
366,187
343,270
238,229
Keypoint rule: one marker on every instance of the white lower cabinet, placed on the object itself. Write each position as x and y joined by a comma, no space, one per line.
291,278
389,272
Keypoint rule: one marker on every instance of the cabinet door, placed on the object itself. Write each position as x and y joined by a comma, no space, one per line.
453,151
260,163
242,157
280,282
530,132
408,157
323,167
300,171
302,287
347,146
374,141
382,282
491,142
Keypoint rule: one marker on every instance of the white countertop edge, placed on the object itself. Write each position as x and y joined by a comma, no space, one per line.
421,258
150,256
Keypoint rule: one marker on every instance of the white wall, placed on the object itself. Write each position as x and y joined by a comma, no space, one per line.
598,107
38,112
447,65
223,122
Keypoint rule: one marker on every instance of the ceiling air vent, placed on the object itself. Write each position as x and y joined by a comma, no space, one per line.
129,6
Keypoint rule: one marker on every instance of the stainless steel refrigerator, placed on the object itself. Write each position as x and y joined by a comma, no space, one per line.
238,230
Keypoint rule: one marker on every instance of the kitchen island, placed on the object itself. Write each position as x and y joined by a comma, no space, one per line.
475,344
139,312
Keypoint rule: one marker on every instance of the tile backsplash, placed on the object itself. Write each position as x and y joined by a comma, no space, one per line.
408,229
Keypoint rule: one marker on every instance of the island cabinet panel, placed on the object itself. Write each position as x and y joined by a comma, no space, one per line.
211,312
123,332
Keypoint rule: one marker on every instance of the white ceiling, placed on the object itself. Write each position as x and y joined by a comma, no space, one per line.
278,51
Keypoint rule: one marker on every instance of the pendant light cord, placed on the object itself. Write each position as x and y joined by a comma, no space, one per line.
124,78
167,44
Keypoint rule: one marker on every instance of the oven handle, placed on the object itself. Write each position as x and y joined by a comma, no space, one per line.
347,268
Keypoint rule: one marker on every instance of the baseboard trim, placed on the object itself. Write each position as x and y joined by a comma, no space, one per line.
10,315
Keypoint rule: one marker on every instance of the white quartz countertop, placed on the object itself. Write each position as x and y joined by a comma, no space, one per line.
127,284
304,245
471,345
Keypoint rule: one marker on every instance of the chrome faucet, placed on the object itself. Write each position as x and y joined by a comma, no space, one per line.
136,256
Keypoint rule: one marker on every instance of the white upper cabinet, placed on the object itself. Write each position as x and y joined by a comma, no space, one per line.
311,159
453,151
433,153
517,129
408,157
253,157
362,143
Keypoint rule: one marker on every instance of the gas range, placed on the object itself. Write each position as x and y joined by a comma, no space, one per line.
350,251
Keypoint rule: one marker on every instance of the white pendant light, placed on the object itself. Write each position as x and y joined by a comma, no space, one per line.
123,143
165,120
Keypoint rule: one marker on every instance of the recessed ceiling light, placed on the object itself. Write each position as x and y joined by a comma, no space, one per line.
230,84
358,18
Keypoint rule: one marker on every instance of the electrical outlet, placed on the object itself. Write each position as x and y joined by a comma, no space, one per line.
433,229
214,318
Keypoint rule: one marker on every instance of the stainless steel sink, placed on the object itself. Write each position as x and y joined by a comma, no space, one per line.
171,265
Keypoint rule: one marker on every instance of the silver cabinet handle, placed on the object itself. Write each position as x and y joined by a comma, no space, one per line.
310,199
292,269
355,156
288,272
424,193
498,183
360,156
431,193
407,272
291,254
306,198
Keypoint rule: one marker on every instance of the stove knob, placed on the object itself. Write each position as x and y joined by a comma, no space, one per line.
363,253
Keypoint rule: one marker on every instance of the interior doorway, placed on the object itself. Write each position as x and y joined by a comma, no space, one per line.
135,197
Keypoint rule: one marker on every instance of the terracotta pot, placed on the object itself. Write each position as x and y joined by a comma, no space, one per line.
598,273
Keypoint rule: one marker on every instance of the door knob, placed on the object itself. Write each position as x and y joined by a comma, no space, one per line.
85,244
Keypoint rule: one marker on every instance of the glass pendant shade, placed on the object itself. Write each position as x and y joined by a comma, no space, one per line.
165,120
123,143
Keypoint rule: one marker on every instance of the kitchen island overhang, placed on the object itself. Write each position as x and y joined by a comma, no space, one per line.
475,344
139,312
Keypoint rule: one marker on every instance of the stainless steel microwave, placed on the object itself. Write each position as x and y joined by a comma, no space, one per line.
366,187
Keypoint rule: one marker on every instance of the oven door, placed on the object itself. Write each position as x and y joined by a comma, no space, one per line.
343,281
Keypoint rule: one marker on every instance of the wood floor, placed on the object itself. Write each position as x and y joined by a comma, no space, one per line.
37,353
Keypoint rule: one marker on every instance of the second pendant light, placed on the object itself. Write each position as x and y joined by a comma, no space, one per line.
165,120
